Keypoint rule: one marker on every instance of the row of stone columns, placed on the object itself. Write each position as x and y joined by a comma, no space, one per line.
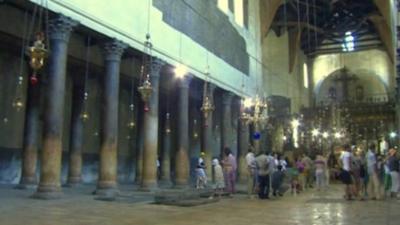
50,180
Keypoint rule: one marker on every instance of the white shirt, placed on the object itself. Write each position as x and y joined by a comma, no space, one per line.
283,163
251,160
200,162
272,163
371,162
346,158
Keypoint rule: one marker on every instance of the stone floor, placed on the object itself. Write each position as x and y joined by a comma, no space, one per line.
78,207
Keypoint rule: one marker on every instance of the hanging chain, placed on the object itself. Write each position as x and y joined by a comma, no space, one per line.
316,25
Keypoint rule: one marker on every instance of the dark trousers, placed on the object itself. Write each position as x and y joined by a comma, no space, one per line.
263,182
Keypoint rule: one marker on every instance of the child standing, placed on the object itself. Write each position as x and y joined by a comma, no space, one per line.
320,172
219,183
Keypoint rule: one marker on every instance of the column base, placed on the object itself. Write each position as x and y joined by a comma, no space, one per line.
138,181
73,182
165,183
106,194
149,186
48,192
181,185
26,186
27,183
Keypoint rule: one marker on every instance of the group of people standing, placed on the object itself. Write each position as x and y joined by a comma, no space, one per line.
270,170
368,175
224,171
265,171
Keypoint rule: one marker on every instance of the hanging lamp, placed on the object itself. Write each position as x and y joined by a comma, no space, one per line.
38,52
85,114
146,89
207,106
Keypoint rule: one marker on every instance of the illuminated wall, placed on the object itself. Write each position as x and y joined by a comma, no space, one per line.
128,21
371,62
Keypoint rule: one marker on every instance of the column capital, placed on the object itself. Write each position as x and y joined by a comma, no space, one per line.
211,88
114,49
156,66
227,98
60,28
185,81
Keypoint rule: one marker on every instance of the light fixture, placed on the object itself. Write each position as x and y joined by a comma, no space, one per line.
338,135
180,71
146,89
247,102
18,104
37,53
315,132
167,124
207,106
392,134
131,123
325,134
295,123
84,116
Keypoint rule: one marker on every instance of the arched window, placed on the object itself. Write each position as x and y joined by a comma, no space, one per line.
239,18
348,44
305,75
223,5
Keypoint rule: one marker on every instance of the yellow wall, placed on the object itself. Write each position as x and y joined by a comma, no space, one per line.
373,62
277,79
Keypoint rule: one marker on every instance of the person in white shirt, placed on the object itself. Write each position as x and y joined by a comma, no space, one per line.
251,171
201,177
372,170
219,183
345,161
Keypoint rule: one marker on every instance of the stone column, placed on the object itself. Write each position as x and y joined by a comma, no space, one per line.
50,182
182,158
76,138
226,140
139,154
150,131
243,149
207,134
107,183
31,136
166,153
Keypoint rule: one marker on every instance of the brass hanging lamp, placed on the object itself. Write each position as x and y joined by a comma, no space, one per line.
146,89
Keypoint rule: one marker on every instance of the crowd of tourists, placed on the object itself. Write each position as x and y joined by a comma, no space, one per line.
369,175
265,172
366,174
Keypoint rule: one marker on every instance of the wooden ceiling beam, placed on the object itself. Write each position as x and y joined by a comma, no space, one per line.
302,25
385,34
340,50
268,11
294,47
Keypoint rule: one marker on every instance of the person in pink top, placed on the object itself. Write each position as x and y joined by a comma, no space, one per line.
230,166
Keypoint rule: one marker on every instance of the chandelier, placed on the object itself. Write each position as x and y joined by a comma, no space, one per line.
258,114
207,107
146,89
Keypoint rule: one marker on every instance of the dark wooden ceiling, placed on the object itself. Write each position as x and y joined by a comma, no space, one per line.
323,24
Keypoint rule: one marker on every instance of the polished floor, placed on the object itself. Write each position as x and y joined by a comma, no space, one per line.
309,208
